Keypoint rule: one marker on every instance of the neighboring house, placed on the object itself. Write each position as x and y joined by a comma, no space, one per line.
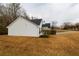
25,27
46,26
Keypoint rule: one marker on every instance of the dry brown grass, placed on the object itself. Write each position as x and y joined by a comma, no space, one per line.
67,44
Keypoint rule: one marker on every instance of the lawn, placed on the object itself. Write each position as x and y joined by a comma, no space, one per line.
55,45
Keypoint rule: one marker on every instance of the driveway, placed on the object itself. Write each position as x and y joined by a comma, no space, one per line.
66,32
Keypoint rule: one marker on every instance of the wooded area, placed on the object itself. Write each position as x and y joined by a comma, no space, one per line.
8,13
70,26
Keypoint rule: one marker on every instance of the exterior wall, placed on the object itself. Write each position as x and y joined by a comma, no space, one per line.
46,28
22,27
40,28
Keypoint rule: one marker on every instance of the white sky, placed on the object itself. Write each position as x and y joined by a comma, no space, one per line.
60,12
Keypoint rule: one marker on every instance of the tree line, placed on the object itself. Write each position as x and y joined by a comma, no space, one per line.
70,26
9,12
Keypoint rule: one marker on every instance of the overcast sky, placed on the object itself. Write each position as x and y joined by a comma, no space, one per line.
60,12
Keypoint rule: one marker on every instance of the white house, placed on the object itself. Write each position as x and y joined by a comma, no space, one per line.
46,26
25,27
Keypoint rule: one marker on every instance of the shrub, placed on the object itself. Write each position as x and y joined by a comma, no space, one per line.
44,36
53,32
3,30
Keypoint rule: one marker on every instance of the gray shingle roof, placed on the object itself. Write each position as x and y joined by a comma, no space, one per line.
36,21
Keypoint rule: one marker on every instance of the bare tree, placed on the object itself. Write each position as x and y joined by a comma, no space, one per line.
67,25
77,26
2,15
2,10
13,10
70,26
9,12
24,14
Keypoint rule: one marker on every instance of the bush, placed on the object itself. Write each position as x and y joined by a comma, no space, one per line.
44,36
53,32
3,31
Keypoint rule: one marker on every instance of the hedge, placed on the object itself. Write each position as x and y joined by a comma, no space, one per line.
53,32
3,31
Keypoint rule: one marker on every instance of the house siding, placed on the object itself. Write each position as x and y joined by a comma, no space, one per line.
23,27
40,28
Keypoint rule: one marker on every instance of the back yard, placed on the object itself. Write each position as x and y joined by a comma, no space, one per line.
58,45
